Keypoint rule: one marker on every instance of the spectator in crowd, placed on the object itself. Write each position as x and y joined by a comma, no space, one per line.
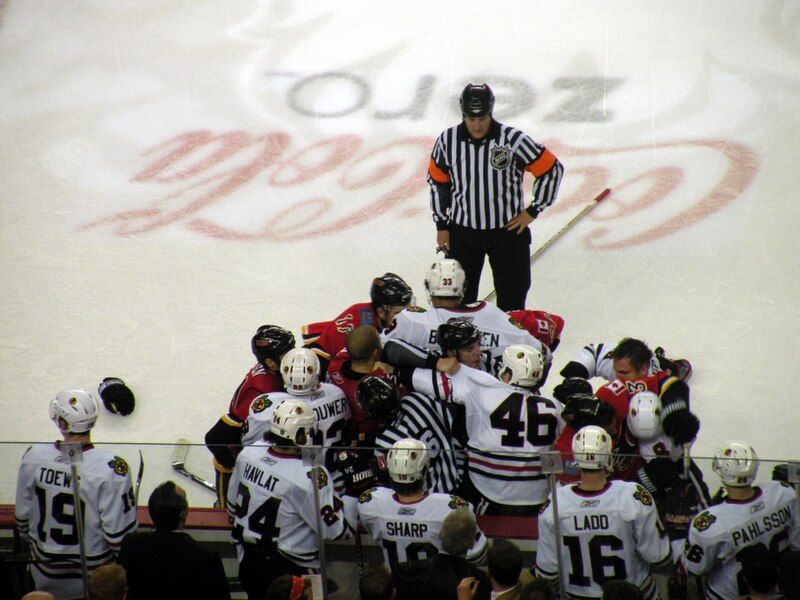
376,584
290,587
538,589
437,578
618,589
38,596
789,575
759,572
167,563
108,583
505,570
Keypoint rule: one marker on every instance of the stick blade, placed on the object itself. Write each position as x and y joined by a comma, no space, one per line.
179,452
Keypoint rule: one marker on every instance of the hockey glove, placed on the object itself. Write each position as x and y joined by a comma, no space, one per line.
570,386
581,410
117,397
780,472
659,475
681,426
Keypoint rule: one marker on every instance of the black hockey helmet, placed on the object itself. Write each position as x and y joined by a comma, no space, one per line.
476,100
390,290
271,341
581,410
457,333
379,398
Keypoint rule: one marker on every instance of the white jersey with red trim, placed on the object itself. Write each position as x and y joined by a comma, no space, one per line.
595,358
329,404
271,498
498,330
410,531
507,426
717,535
614,533
45,512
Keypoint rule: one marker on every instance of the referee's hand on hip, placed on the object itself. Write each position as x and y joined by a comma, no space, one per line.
520,221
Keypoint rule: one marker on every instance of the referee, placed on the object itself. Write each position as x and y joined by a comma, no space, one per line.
475,174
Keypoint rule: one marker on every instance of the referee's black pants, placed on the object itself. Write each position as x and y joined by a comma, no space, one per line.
509,258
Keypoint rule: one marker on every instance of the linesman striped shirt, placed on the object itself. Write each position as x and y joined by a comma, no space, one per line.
478,183
424,419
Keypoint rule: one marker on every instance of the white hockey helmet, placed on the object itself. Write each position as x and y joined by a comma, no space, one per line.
445,279
644,416
78,408
524,363
736,463
300,371
407,461
591,447
291,417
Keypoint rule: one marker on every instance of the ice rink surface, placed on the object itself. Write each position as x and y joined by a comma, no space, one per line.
176,173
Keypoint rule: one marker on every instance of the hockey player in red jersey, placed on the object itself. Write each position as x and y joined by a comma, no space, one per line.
269,345
389,295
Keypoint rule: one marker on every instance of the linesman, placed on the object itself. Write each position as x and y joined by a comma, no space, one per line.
475,173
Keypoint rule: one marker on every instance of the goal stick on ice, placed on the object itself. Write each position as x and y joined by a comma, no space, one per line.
561,231
179,453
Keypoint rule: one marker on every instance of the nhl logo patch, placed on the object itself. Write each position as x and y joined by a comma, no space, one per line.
322,476
500,157
703,521
261,403
456,502
643,496
119,466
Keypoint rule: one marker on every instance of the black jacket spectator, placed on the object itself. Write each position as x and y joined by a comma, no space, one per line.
169,564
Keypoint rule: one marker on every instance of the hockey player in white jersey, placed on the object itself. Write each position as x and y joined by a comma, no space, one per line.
271,499
766,513
300,371
45,509
609,529
405,520
508,426
444,284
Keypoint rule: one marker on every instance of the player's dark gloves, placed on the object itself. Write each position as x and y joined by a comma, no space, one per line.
680,425
660,474
780,472
570,386
581,410
358,470
117,397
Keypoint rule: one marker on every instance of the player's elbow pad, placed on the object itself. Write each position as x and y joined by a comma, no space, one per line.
219,439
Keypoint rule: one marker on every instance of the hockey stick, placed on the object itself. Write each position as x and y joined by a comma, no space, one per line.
138,480
558,234
689,476
179,465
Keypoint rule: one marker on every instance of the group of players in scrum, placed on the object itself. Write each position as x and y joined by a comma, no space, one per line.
429,411
450,399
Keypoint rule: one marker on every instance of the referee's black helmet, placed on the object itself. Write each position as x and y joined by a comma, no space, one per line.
477,100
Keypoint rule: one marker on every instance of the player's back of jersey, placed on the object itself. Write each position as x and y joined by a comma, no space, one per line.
407,531
610,534
328,402
46,489
508,428
719,533
272,502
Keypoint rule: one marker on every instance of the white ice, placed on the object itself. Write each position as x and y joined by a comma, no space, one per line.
692,120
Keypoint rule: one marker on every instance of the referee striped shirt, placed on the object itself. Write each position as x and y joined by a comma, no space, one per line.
422,418
478,183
